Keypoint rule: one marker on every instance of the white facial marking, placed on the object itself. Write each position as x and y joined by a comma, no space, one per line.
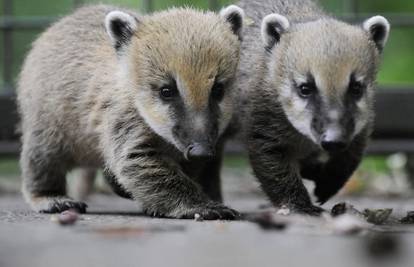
363,108
199,123
163,127
297,113
360,78
362,120
226,108
333,133
334,115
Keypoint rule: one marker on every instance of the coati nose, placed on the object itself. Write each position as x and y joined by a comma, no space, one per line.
200,151
334,146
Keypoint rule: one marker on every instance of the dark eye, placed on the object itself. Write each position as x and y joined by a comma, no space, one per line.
306,90
356,89
217,92
168,93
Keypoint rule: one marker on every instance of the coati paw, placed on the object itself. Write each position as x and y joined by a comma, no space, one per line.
309,210
211,211
304,209
57,204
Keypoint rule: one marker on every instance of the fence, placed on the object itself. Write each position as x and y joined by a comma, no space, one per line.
393,131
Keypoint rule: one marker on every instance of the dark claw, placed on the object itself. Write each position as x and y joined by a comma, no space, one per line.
211,215
60,206
211,211
230,214
312,210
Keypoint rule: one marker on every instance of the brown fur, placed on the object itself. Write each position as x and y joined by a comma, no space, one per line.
89,100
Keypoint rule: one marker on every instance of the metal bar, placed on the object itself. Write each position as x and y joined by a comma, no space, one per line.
387,146
397,21
26,23
147,6
9,148
8,48
32,23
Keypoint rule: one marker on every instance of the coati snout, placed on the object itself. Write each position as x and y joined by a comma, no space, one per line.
200,150
198,137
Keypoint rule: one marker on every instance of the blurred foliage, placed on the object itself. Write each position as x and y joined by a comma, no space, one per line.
398,56
375,164
9,166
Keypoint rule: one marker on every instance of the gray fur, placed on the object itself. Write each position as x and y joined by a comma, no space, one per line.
285,132
82,103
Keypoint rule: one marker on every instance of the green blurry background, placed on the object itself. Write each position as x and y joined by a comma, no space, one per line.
398,59
382,173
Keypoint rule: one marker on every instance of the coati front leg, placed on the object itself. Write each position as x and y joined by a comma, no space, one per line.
44,165
331,176
278,173
210,176
155,179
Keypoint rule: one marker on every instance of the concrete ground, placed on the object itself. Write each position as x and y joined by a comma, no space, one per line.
114,233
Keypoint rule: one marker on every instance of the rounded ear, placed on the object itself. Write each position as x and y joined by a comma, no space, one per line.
235,16
273,26
120,27
378,28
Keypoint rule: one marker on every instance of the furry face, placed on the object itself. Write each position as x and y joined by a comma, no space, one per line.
324,72
181,65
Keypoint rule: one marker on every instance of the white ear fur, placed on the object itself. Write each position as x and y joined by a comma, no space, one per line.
379,29
235,16
120,26
273,26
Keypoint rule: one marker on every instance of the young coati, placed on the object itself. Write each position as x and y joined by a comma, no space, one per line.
143,97
308,84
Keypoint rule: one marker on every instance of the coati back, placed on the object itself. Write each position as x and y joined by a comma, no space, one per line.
144,97
308,83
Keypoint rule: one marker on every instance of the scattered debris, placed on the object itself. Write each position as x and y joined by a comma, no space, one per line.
266,221
409,219
348,224
345,208
374,216
68,217
378,216
198,217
